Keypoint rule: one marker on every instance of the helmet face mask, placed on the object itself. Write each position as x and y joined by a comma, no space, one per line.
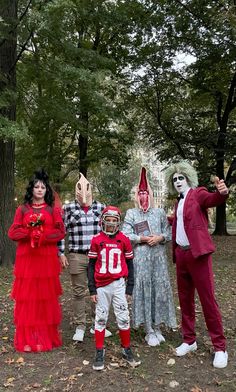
110,220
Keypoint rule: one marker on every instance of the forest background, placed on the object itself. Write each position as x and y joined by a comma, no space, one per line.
83,83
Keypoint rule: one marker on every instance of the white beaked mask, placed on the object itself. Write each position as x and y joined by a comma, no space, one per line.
180,183
83,192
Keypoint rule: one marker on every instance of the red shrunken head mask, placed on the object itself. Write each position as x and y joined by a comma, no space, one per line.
143,194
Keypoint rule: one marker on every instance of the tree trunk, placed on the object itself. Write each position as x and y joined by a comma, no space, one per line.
83,144
83,148
8,12
220,228
7,205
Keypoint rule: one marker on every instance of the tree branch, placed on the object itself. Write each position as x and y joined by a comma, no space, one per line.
25,11
230,104
17,23
157,115
23,48
219,108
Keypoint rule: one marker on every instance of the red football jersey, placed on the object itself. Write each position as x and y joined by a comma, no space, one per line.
110,254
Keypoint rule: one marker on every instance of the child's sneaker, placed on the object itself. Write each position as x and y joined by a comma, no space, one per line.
78,335
98,363
129,357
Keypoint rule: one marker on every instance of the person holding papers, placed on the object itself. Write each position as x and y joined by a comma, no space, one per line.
148,229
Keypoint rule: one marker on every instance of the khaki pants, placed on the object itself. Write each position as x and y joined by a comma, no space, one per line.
78,264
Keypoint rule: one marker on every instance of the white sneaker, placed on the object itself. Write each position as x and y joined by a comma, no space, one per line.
220,359
185,348
151,339
107,332
159,336
78,335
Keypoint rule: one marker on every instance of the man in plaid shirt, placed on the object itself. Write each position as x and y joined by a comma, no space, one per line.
81,219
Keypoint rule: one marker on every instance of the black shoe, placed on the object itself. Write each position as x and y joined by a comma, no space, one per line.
129,357
98,363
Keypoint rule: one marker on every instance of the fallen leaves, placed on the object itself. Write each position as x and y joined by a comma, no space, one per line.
196,389
9,361
3,350
9,382
20,360
173,384
34,386
114,364
160,369
171,362
72,377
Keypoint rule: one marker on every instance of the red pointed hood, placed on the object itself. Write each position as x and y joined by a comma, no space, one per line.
143,185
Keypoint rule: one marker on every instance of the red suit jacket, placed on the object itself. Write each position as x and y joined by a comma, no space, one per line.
196,220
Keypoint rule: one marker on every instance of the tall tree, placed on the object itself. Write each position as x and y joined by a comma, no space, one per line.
8,24
71,87
192,108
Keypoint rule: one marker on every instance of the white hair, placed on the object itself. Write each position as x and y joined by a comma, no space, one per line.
182,167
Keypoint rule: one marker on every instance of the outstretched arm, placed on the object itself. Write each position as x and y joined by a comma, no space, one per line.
212,199
220,186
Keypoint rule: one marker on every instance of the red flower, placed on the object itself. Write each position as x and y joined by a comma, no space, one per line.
36,222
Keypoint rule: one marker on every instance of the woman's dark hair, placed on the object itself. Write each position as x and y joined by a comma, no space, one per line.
39,175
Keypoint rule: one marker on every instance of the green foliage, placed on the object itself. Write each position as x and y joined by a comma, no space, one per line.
70,83
108,70
189,111
115,182
11,129
232,205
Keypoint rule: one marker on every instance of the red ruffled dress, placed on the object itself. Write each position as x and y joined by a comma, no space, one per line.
36,288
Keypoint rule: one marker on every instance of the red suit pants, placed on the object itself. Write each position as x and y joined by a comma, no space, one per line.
197,274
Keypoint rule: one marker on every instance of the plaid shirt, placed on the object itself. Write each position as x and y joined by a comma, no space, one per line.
80,226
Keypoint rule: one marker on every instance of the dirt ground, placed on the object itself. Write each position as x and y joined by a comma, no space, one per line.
69,368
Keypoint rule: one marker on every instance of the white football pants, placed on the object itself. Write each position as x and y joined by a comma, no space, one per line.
113,293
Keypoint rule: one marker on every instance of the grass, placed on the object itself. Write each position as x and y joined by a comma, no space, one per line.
64,370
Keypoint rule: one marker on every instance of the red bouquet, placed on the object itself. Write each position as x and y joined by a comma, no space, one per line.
36,222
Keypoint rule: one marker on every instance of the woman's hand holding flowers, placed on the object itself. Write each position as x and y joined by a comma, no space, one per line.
35,223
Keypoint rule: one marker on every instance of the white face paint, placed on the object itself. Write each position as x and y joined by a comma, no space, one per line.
180,183
39,191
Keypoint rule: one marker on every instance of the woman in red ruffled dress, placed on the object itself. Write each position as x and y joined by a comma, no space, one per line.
37,228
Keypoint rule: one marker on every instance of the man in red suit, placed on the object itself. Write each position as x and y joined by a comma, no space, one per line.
192,248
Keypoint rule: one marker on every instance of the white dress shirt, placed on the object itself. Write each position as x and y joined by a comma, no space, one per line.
181,236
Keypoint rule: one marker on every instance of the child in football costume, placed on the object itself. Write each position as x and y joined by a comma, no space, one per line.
110,263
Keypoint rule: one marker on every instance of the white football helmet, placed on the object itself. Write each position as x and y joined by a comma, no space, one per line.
110,228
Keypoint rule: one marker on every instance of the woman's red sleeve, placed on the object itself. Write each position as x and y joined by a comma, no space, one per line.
57,233
18,231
